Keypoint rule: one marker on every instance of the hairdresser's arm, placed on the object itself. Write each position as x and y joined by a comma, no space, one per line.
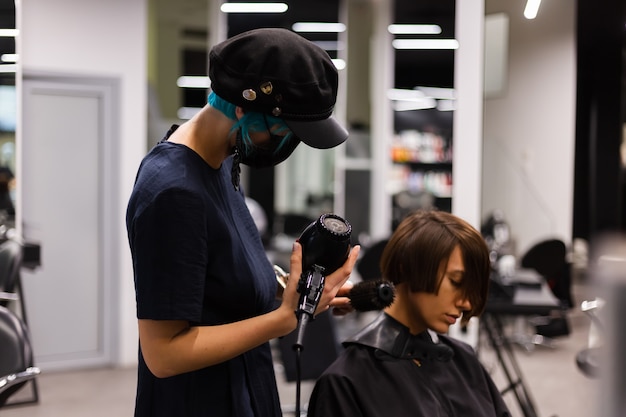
173,347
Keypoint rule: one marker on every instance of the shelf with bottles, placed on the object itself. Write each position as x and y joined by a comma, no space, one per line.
437,182
422,149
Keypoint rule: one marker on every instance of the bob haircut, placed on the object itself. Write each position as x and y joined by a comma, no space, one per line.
418,251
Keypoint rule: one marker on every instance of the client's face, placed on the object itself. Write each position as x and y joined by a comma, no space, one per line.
439,311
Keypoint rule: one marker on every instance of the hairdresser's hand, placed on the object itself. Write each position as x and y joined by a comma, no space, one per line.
336,287
289,294
341,304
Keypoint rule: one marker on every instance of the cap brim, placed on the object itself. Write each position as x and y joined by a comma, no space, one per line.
320,134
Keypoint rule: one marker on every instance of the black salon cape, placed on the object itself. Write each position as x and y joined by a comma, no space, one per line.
378,375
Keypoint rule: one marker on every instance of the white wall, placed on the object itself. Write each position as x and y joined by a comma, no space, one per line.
98,38
529,131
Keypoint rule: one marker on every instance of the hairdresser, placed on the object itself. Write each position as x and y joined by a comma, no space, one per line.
205,290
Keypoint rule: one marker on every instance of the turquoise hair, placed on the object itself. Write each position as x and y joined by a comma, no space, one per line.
251,122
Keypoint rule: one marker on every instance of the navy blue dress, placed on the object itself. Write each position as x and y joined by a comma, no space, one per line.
197,256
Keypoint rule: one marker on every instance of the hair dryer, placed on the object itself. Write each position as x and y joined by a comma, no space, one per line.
325,247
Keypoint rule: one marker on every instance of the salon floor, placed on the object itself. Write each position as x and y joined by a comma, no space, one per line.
556,385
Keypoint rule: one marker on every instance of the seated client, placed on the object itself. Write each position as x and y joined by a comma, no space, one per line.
402,364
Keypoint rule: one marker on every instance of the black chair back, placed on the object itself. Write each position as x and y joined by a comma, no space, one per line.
10,263
368,266
16,355
549,259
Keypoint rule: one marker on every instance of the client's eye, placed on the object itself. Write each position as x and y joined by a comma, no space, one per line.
456,283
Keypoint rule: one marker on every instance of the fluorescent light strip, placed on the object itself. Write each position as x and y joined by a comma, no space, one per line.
404,94
254,7
403,29
8,68
8,33
446,105
339,64
424,103
325,27
438,92
425,44
531,9
189,81
8,57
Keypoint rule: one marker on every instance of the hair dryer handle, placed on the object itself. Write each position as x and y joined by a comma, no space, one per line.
310,287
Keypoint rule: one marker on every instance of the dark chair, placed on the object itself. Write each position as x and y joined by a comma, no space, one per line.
549,259
368,265
16,356
291,224
10,264
15,338
321,348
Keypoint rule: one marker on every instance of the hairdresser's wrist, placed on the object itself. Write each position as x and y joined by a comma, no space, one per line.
286,320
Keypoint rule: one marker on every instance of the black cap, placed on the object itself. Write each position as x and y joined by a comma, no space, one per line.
276,71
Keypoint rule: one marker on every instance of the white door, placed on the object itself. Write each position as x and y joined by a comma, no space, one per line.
67,150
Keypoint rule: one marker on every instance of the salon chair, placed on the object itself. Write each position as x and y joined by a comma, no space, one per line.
368,266
10,264
15,348
16,356
321,348
549,258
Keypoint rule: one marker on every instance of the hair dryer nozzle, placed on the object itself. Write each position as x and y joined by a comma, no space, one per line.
325,243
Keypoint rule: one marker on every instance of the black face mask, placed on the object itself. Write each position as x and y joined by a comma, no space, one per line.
260,157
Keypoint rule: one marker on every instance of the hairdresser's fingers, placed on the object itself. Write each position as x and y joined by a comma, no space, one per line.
341,306
337,279
339,311
290,294
340,302
345,289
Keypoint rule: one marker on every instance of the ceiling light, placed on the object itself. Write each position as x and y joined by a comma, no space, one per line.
254,7
531,9
404,95
339,64
403,29
438,92
425,43
8,57
423,103
189,81
318,27
8,33
446,105
8,68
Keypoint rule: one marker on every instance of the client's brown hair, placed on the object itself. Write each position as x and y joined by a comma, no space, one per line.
420,247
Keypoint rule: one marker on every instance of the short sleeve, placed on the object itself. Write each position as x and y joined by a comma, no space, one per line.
169,241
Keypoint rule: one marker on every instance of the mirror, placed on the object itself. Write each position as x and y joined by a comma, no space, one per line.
530,120
181,34
8,111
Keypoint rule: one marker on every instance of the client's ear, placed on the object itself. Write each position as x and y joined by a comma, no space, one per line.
239,112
